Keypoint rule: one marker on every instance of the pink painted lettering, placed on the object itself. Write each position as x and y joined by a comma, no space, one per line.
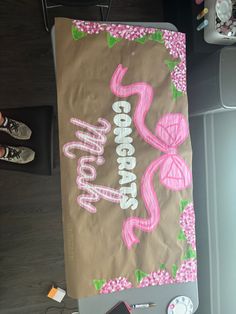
92,141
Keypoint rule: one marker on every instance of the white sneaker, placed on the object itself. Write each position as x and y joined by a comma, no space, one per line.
18,155
16,129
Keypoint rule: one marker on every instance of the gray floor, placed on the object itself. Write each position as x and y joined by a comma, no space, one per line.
31,240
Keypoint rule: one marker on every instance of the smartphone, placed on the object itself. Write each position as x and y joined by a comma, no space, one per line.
120,308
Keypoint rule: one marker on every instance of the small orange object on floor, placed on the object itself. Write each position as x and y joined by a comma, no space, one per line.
57,294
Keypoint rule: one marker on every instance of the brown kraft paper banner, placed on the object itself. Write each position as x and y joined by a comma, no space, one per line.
125,157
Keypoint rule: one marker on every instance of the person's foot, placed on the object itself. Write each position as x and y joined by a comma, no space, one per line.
15,128
18,155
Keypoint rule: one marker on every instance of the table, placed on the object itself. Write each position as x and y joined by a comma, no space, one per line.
161,295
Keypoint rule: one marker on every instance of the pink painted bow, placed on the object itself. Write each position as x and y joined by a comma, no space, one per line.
171,131
174,174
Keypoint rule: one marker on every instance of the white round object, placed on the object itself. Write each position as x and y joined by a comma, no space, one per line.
224,9
180,305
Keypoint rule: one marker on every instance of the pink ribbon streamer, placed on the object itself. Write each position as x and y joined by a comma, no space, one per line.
171,131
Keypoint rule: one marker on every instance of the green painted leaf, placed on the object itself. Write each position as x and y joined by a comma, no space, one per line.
181,236
175,93
174,270
98,284
111,41
171,64
190,254
77,34
182,205
141,40
162,267
157,36
139,274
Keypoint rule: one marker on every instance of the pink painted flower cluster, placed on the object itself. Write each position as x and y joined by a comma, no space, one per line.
175,43
161,277
128,32
187,222
187,271
117,284
178,77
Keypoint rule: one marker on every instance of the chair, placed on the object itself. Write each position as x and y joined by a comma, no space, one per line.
40,121
50,4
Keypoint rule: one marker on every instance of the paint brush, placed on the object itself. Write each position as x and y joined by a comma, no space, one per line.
142,305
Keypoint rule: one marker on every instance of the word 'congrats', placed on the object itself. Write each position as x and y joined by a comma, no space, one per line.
125,150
